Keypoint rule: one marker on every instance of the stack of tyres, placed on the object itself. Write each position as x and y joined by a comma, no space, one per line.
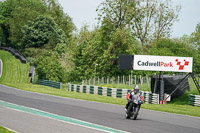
146,97
72,88
194,100
100,91
119,93
84,89
109,92
78,88
91,89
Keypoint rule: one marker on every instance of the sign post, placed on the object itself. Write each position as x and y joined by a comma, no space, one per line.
159,63
162,63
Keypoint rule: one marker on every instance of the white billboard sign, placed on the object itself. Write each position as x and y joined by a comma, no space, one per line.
163,63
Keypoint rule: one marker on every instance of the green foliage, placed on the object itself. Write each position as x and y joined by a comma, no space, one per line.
86,53
100,52
168,47
60,48
195,36
63,20
15,14
49,68
121,43
5,13
41,32
22,12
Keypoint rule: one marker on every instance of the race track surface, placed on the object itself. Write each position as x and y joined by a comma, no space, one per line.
107,115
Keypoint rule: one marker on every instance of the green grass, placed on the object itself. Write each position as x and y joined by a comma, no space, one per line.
4,130
14,69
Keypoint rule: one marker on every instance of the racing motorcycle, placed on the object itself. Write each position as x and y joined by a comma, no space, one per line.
134,106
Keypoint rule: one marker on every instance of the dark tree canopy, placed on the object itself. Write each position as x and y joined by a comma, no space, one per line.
41,32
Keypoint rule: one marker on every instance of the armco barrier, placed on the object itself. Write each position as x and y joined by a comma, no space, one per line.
15,53
53,84
1,67
194,100
112,92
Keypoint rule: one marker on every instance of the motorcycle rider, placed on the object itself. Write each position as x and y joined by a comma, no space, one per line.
135,91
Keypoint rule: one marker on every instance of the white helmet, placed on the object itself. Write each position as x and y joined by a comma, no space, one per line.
136,87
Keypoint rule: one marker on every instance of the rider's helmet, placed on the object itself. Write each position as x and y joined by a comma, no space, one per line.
136,89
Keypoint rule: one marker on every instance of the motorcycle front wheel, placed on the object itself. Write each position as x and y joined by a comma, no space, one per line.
128,113
135,113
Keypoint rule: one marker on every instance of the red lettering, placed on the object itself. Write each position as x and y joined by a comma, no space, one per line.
171,65
162,63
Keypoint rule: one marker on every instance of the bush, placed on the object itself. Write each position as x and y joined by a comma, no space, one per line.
49,68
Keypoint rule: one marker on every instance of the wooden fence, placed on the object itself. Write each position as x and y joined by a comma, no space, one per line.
130,80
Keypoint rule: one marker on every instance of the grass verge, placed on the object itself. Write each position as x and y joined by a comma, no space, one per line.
4,130
19,75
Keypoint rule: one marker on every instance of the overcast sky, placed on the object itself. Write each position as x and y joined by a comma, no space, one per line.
84,11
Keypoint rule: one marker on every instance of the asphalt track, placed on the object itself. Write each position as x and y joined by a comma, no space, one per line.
107,115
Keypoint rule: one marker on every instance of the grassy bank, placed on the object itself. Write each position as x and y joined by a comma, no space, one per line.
14,71
15,75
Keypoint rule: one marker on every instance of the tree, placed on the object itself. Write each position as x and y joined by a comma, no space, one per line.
87,52
22,12
121,43
165,16
43,31
92,50
168,47
195,36
118,12
5,14
147,19
15,14
62,19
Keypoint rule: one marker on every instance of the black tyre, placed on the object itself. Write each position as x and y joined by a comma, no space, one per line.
128,113
135,114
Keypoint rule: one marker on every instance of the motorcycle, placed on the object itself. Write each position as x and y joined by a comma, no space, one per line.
134,106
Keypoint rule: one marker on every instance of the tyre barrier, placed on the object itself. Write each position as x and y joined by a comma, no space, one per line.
49,83
194,100
112,92
15,53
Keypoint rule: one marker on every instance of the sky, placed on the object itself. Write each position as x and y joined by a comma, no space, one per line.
84,11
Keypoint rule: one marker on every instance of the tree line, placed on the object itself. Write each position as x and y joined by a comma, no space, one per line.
50,41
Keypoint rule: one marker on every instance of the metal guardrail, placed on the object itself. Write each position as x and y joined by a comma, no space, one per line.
32,73
49,83
194,100
112,92
1,67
